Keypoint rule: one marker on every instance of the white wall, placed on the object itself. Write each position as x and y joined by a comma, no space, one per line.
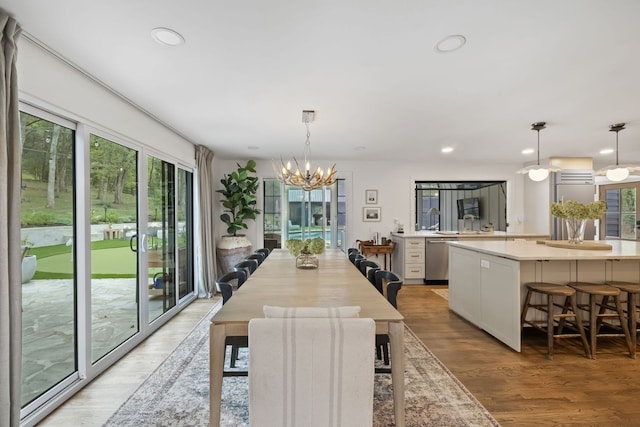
50,83
395,185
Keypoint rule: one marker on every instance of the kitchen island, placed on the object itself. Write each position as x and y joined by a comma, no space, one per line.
423,256
487,278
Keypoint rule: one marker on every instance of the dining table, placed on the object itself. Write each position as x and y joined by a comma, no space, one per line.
277,282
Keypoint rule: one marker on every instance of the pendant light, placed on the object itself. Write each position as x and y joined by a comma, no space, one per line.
305,178
537,172
617,172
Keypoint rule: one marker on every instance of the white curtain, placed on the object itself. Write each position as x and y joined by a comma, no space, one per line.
11,259
207,255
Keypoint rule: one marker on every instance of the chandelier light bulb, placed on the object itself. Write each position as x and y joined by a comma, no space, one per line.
617,174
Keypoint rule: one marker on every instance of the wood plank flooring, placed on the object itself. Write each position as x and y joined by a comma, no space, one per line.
526,389
519,389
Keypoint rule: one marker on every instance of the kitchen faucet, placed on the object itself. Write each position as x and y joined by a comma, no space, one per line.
464,222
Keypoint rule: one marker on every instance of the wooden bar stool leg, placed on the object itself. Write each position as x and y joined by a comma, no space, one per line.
593,330
583,335
632,316
525,309
550,327
625,327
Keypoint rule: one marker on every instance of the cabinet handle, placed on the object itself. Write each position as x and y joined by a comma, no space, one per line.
415,256
415,271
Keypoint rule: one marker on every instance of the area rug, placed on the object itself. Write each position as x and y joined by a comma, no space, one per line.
177,392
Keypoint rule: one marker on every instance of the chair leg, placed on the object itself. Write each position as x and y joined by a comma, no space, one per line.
583,335
525,309
593,330
385,353
632,318
379,352
550,323
234,356
625,327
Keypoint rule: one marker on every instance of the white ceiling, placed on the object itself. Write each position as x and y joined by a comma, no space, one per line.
369,69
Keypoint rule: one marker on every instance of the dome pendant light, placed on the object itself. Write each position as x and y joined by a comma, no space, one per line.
617,172
536,172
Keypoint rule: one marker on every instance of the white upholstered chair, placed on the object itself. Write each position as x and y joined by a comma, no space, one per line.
311,371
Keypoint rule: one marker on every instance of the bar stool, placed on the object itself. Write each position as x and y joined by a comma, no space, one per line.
552,290
597,316
633,290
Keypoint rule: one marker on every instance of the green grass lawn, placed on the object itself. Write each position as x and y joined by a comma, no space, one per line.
109,258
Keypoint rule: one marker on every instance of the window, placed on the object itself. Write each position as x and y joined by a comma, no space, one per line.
620,220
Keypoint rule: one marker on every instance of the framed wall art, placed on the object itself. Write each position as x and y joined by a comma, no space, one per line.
371,214
371,197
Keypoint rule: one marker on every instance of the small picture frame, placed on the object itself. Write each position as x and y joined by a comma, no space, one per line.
371,214
371,197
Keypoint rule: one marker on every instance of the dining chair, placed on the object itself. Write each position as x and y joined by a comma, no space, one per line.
248,265
264,251
353,255
226,281
325,379
371,275
257,256
359,258
394,284
364,264
224,285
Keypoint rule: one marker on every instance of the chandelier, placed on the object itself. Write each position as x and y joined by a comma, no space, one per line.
537,172
617,172
305,178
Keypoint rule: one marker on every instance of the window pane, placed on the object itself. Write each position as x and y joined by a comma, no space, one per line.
185,232
114,260
48,265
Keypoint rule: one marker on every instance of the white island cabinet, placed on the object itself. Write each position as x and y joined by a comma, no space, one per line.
423,256
487,278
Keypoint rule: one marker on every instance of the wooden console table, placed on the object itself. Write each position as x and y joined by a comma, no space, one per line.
370,249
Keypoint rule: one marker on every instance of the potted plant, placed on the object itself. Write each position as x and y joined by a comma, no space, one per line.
29,262
305,251
576,214
239,202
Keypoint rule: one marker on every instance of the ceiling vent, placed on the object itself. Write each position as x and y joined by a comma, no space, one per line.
575,176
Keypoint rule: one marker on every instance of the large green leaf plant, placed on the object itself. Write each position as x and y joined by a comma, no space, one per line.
239,197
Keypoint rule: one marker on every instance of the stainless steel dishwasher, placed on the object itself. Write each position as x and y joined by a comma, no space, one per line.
437,259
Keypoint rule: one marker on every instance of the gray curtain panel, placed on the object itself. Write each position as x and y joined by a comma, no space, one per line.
207,255
11,265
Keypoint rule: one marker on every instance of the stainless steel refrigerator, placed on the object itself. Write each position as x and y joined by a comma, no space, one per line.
572,184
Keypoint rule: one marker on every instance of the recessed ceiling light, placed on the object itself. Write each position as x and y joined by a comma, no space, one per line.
447,149
167,36
607,151
450,43
528,151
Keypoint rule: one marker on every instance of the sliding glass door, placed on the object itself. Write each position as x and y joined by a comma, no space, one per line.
114,258
160,245
104,258
49,326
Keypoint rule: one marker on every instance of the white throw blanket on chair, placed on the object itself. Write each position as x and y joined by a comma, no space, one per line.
311,372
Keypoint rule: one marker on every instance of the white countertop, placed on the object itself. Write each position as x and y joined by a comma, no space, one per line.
531,251
467,234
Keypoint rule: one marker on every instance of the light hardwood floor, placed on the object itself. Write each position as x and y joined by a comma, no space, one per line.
95,403
519,389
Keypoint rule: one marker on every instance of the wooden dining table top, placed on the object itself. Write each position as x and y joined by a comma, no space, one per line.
337,282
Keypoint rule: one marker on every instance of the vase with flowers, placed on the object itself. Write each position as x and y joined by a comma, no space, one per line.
305,252
576,214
